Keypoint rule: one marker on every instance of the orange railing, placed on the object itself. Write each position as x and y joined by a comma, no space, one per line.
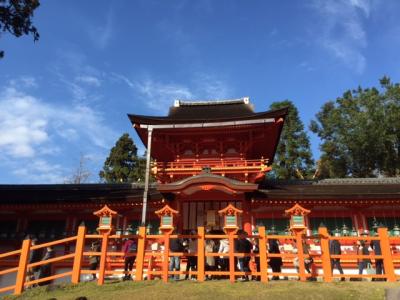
151,263
223,166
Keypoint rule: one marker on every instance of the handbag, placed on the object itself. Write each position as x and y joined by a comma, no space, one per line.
370,271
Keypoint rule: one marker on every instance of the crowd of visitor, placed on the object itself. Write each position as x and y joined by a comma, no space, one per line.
247,261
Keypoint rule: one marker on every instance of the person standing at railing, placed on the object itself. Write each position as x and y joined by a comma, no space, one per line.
224,260
256,251
274,262
363,262
175,245
243,245
192,260
45,270
129,249
34,257
94,260
376,246
335,249
210,260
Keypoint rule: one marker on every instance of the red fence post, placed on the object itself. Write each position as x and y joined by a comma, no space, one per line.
325,255
80,245
140,255
387,254
300,254
200,254
262,246
23,262
165,263
231,256
103,257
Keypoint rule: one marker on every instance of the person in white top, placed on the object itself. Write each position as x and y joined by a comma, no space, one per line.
224,248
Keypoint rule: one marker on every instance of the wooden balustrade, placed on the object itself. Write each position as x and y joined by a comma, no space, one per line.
150,263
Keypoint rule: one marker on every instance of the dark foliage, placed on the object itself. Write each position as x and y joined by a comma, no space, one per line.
16,18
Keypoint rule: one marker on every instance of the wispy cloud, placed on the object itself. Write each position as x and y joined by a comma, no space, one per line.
89,80
102,34
159,96
34,132
343,30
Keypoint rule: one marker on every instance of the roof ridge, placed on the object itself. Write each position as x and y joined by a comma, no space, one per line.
243,100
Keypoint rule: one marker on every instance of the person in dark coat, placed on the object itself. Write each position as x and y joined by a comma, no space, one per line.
363,262
175,245
94,260
35,256
376,246
45,270
243,245
274,262
334,249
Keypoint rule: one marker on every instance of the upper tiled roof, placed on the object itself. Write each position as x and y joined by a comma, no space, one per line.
208,111
213,109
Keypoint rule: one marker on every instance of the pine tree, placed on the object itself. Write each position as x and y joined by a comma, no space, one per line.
123,164
360,133
293,158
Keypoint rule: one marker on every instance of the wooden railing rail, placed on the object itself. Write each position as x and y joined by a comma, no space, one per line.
156,263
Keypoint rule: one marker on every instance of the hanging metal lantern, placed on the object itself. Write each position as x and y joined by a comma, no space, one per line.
345,230
287,230
336,232
273,230
354,232
118,231
396,230
148,228
374,226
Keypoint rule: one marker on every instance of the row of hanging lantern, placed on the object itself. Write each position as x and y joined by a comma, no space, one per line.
343,231
130,230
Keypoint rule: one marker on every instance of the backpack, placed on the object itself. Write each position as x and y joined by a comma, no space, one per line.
132,247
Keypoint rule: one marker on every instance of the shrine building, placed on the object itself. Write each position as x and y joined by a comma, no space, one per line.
204,155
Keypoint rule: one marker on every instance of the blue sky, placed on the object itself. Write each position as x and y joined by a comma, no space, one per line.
67,95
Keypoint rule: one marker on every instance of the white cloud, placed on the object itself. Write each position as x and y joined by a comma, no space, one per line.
33,132
24,81
102,34
40,171
343,32
89,80
160,96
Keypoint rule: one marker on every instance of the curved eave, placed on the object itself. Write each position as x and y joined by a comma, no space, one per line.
207,179
152,120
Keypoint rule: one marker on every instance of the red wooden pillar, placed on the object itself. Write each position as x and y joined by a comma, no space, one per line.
246,216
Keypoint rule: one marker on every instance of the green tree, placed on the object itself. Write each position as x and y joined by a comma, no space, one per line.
123,164
360,133
293,158
16,18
